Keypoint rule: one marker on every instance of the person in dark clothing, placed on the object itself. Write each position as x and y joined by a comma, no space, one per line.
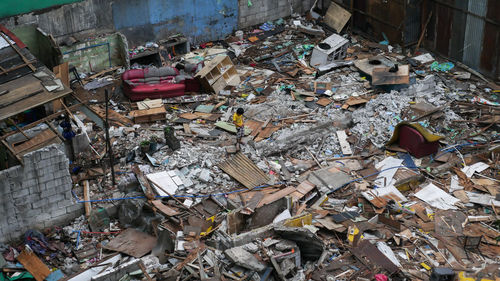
68,134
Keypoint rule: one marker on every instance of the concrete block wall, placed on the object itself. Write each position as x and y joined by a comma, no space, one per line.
36,195
266,10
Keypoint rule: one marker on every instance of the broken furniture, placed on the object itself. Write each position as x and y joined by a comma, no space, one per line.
218,73
153,83
331,49
415,139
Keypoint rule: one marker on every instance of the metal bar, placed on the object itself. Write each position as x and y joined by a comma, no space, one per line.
109,149
467,12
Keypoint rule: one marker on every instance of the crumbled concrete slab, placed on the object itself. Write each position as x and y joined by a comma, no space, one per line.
245,259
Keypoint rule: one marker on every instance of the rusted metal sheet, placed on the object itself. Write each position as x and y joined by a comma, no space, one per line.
443,29
244,171
469,32
399,20
373,254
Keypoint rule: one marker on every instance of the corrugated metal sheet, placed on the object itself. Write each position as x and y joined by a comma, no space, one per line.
244,171
468,31
474,31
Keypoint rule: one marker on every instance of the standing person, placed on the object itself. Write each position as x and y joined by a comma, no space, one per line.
240,128
68,134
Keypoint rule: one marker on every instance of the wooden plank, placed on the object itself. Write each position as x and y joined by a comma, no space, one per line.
324,101
112,115
43,137
86,197
268,131
31,102
344,145
382,76
15,67
164,208
148,104
146,112
305,187
276,196
34,265
62,72
149,115
18,92
188,116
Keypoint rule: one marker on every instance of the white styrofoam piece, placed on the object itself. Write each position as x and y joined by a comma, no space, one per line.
437,198
478,167
385,178
163,180
383,191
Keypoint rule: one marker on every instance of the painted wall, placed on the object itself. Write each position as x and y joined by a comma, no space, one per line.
81,18
199,20
15,7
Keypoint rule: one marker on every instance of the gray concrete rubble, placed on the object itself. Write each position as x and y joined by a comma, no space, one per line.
245,259
357,161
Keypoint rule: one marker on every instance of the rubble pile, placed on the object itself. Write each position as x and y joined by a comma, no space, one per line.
370,165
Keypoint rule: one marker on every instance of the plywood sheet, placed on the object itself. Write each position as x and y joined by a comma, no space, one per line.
336,17
276,196
34,265
382,76
132,242
42,139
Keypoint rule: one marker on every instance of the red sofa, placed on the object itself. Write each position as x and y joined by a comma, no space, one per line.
155,83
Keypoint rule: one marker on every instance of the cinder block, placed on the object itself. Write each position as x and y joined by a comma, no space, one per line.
47,177
49,192
43,217
39,203
32,197
64,203
28,183
74,207
30,214
51,184
56,198
20,193
58,212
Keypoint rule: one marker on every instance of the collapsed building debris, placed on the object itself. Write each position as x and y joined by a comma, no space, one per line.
359,161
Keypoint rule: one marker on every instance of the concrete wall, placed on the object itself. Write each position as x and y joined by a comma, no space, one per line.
15,7
264,10
81,17
36,195
95,53
199,20
146,20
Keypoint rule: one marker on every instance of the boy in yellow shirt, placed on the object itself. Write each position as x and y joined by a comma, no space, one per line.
240,128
